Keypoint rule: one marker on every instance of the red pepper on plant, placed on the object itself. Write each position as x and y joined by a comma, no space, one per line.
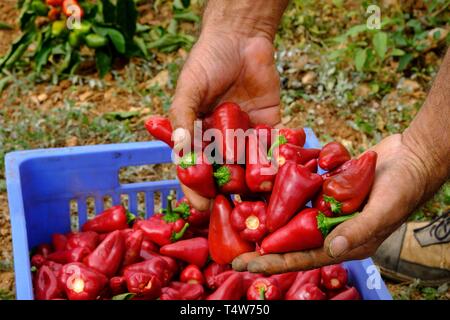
294,187
264,289
46,285
71,7
53,13
334,276
224,242
231,289
307,230
145,285
160,128
231,179
107,257
333,155
114,218
81,282
54,3
194,251
293,136
348,186
192,274
228,117
259,172
249,219
195,172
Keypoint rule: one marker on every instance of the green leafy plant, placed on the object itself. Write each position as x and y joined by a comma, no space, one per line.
58,39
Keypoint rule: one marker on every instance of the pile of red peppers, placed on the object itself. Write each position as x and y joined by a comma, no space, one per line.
182,253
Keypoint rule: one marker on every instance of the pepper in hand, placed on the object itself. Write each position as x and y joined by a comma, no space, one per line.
249,219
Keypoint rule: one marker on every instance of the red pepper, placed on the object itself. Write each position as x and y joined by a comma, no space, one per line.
172,265
231,289
227,118
107,257
114,218
160,128
118,285
294,136
249,219
248,278
310,276
145,285
133,244
309,291
307,230
163,229
222,277
259,173
195,172
327,205
333,155
225,244
71,7
283,151
46,285
334,277
231,179
294,187
44,249
349,294
264,289
194,251
350,184
53,13
37,260
59,241
147,246
54,3
80,282
192,274
311,165
264,134
66,256
168,293
196,218
156,266
284,280
212,271
87,239
54,266
192,291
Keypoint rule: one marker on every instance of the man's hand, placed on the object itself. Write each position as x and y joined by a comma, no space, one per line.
233,60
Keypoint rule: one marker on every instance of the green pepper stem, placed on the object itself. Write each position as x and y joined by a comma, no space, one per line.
178,235
130,217
188,160
222,175
169,214
262,293
335,205
326,224
183,209
279,141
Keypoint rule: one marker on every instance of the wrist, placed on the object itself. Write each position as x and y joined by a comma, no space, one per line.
247,18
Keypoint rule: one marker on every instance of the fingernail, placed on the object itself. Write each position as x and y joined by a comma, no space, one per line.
337,246
179,137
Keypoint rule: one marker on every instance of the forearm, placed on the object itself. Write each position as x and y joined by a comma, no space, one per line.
428,134
247,17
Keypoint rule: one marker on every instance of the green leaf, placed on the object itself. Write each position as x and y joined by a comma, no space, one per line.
5,26
173,26
397,52
186,3
107,11
380,43
65,63
124,296
117,39
103,61
360,59
355,30
3,84
41,57
17,49
187,15
120,115
126,17
404,61
140,43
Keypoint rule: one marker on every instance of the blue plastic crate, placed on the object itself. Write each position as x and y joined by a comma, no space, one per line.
42,183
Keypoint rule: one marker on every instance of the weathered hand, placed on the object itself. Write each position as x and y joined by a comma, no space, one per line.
400,184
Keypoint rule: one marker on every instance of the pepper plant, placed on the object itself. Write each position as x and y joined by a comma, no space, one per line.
56,32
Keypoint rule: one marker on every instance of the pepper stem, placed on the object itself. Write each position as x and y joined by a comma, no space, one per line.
169,214
335,205
130,217
326,224
178,235
222,175
183,209
262,293
279,141
188,160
